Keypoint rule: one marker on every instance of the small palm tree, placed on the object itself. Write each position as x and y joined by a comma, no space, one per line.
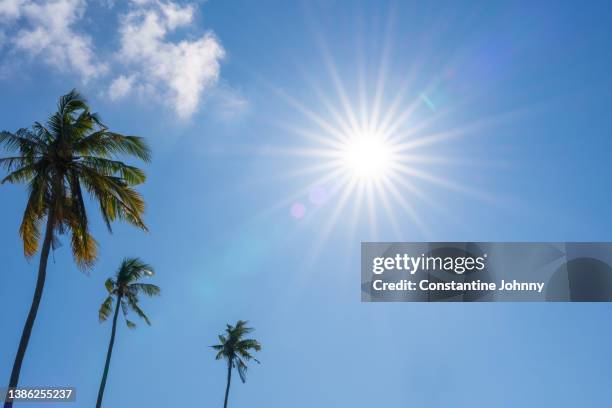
124,290
234,348
72,153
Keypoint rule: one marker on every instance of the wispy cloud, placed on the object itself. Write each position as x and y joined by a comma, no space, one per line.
120,87
154,59
10,9
228,104
180,72
47,33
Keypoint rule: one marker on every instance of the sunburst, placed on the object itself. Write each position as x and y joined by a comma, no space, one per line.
380,158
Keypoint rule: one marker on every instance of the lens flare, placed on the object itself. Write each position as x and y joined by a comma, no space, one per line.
298,210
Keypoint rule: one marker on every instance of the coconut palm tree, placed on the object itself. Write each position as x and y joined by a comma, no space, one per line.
73,153
234,348
124,290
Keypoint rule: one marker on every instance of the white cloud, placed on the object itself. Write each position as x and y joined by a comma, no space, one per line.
179,71
49,34
10,9
176,15
120,87
152,60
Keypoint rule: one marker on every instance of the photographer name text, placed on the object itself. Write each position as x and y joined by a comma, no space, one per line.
457,265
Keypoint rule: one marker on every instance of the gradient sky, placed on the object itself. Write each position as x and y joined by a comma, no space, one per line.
520,94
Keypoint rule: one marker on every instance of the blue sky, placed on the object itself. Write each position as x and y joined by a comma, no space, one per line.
508,106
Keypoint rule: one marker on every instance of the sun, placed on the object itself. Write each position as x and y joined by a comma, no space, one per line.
367,157
374,156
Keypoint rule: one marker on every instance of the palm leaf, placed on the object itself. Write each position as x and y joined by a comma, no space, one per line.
33,215
104,143
106,309
242,370
133,302
132,175
146,288
109,284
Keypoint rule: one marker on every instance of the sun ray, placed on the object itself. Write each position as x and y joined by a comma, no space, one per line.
358,202
288,200
418,193
410,210
335,115
452,186
384,146
325,125
317,136
341,93
389,211
314,169
328,225
371,166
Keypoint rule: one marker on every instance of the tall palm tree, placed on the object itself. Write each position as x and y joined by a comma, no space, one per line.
74,151
124,289
234,348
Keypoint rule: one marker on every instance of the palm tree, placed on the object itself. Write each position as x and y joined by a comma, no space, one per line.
71,153
236,350
124,289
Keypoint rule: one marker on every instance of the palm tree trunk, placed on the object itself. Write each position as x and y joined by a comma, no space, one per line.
229,380
29,324
108,354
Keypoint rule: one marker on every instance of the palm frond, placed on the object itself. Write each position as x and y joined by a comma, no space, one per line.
23,141
248,344
105,144
13,163
116,199
33,215
21,174
132,270
146,288
124,307
84,248
106,309
109,284
132,175
242,370
43,136
133,302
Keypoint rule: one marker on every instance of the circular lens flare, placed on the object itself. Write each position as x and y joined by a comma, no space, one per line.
298,210
367,157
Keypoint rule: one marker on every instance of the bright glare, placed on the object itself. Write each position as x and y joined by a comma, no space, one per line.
367,157
373,157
